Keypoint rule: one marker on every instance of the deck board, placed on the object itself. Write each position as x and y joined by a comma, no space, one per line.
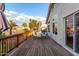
40,47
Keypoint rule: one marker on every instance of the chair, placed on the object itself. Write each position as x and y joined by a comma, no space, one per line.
39,34
44,35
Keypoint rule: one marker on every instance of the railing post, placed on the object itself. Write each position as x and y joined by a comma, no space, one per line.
7,46
17,40
2,48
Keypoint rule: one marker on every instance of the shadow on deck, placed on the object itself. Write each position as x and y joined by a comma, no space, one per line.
40,47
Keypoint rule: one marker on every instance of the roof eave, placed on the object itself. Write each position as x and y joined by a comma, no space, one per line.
49,10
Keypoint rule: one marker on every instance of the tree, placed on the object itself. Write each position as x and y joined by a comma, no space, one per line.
2,35
24,24
11,25
34,24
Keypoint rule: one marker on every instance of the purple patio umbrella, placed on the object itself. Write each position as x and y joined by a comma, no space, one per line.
3,21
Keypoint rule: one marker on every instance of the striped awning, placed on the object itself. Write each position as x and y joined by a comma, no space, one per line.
3,21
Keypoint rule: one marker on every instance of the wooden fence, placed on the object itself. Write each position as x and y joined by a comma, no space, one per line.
11,42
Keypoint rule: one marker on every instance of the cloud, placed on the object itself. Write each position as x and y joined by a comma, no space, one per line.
42,19
10,13
19,18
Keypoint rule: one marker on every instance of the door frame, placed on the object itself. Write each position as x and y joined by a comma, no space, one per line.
74,38
74,31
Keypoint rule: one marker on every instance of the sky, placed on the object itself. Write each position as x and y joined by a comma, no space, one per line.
22,12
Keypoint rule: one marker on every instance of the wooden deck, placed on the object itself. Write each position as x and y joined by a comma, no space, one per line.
40,47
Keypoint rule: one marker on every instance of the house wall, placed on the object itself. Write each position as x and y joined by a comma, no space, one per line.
58,13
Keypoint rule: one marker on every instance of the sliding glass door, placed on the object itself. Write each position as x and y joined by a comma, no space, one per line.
69,30
72,31
77,32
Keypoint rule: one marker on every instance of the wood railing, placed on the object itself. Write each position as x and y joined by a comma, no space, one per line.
11,42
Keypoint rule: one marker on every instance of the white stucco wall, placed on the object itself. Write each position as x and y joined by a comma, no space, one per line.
59,11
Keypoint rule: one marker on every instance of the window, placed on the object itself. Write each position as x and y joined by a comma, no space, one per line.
54,28
48,28
53,19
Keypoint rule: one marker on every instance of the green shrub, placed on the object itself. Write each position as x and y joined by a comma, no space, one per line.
2,35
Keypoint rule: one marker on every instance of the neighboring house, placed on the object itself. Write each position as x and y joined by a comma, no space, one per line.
63,25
